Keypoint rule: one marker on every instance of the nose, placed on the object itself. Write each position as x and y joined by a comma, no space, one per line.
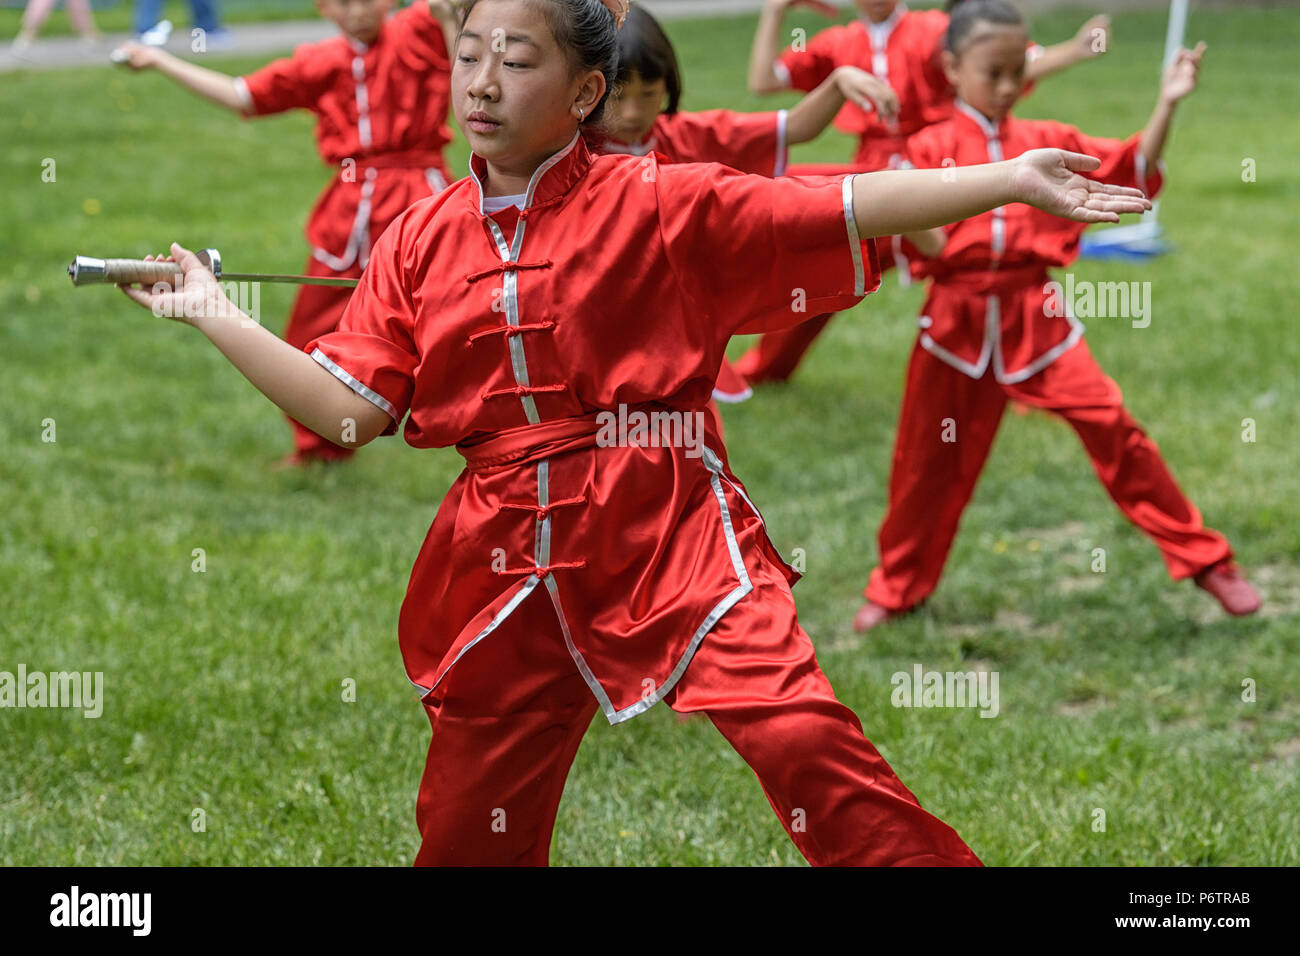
483,84
630,114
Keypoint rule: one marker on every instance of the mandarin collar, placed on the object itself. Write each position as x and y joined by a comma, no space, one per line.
986,126
552,179
887,24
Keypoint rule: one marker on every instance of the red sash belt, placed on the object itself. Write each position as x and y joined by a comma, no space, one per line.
993,280
528,443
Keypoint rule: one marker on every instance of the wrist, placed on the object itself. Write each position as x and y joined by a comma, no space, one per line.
1008,183
218,312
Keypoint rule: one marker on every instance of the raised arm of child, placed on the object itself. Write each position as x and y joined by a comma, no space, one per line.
1179,80
209,84
1092,40
811,115
289,377
894,202
767,42
447,13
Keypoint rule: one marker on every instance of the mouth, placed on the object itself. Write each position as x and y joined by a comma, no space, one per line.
481,122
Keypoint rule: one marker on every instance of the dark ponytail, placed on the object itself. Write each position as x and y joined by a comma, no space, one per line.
969,14
585,31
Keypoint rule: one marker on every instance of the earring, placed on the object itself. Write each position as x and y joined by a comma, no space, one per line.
582,115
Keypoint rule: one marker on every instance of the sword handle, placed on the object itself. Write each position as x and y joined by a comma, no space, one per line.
87,270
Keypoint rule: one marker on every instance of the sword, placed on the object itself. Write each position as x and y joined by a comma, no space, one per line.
87,270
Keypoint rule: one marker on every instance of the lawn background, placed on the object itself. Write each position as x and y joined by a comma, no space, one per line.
1119,691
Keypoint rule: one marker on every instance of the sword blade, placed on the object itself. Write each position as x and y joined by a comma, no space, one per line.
297,280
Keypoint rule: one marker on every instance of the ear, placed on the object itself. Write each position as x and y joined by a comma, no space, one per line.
949,67
591,87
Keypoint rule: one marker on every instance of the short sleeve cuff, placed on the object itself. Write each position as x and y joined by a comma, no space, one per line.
782,74
374,368
245,97
855,240
782,143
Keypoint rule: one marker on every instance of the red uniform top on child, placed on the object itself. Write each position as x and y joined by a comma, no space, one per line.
381,118
900,50
614,290
904,51
988,300
748,142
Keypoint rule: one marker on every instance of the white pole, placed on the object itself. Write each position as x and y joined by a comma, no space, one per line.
1176,33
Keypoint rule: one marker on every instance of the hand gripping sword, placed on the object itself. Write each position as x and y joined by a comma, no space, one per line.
87,270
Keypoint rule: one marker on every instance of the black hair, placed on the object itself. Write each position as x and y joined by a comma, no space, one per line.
644,49
967,15
585,31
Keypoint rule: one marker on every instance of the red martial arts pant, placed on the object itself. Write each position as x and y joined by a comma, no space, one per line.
317,310
514,709
932,480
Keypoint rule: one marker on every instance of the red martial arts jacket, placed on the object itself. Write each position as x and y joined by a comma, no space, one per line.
906,52
902,51
986,303
381,120
748,142
615,290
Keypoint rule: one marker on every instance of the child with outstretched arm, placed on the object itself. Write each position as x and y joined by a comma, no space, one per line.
575,568
379,92
994,328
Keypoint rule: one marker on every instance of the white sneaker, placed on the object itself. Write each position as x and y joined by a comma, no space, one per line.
158,34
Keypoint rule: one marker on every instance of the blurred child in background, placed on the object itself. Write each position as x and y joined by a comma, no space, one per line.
993,329
379,92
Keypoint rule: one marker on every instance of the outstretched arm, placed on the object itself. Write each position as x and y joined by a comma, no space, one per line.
1092,40
904,201
767,43
1179,80
809,118
287,376
209,84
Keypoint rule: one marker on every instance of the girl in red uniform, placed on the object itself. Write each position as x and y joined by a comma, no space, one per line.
994,327
379,93
644,116
572,567
903,49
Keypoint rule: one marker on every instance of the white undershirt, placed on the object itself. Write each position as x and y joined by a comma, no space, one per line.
493,204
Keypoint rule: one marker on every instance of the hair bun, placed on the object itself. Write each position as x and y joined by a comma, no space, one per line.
619,8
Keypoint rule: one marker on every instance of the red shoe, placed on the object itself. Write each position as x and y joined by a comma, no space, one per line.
1225,582
872,615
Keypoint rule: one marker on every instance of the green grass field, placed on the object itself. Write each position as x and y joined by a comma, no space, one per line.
1120,691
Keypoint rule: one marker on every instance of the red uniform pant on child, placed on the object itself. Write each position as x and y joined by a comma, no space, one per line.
933,479
510,715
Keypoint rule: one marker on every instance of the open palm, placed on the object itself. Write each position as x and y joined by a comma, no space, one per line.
1050,180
